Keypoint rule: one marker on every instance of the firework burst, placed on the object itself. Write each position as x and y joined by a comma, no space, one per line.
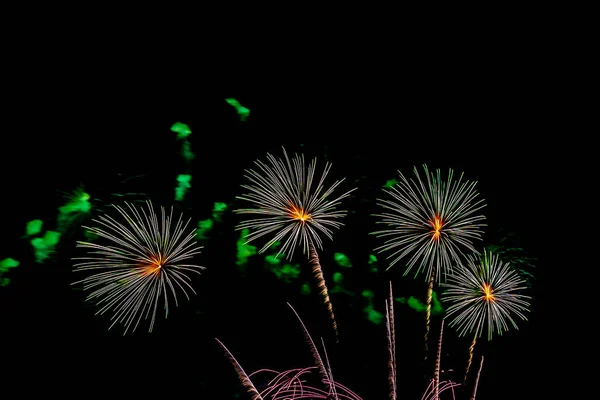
294,208
143,263
483,295
430,223
291,204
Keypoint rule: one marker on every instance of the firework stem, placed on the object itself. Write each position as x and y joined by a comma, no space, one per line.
477,380
428,312
471,351
318,274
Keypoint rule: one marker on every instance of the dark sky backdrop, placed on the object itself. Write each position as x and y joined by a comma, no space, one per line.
98,131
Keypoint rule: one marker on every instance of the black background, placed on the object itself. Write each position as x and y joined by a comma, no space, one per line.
97,126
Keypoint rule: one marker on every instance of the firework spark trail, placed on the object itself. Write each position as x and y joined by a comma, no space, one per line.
436,373
313,349
428,314
143,264
471,351
391,338
246,382
322,286
296,384
333,392
293,385
477,380
430,393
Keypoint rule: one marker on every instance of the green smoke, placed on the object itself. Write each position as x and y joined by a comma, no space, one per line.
338,286
244,251
203,228
75,209
419,306
182,130
286,273
390,183
33,227
183,184
242,112
305,289
218,209
186,151
373,263
5,266
44,246
342,260
372,315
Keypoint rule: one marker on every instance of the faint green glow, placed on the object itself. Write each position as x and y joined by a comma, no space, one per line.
33,227
44,246
77,206
90,236
244,251
305,289
373,263
4,281
218,209
183,184
338,287
272,260
242,111
419,306
285,273
508,249
372,315
337,277
390,183
204,227
186,151
367,294
181,129
342,260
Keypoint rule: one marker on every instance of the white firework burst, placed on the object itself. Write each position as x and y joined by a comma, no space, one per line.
431,222
485,294
290,203
141,266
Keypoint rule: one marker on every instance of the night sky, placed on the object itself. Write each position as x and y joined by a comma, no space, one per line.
115,139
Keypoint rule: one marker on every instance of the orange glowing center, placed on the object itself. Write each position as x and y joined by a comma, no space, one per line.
154,266
298,213
488,293
437,228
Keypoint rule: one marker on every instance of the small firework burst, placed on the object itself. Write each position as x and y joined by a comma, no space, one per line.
141,266
291,205
485,294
